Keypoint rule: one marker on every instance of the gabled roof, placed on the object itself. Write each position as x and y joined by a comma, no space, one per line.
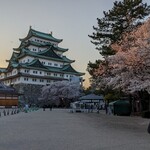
46,45
48,54
20,46
2,69
92,97
34,64
29,42
12,65
25,44
7,90
70,69
56,48
13,57
67,59
41,35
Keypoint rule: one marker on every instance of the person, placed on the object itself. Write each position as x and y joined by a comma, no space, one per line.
148,129
98,108
44,107
109,110
91,108
50,107
106,108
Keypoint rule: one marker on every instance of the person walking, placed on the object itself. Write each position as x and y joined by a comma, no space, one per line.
148,129
50,107
98,108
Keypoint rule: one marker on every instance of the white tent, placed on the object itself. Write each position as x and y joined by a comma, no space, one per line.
92,98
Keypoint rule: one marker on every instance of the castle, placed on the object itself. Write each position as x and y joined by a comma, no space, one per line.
38,61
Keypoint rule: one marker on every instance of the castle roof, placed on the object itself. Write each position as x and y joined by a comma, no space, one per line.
70,69
46,45
46,54
2,69
34,64
42,35
13,57
48,51
7,90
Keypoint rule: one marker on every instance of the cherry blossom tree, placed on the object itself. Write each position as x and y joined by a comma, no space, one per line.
129,69
130,66
60,91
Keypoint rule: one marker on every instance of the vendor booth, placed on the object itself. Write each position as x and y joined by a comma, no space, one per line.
92,99
8,96
88,103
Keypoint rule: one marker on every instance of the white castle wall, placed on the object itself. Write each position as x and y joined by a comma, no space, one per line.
28,59
43,41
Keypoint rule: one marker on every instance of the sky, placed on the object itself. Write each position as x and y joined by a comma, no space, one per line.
70,20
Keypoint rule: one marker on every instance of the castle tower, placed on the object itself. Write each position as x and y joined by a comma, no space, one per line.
38,61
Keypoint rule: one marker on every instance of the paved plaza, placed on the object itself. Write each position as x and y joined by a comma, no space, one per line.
61,130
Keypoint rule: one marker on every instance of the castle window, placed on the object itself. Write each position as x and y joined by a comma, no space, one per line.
55,74
34,49
35,72
26,71
55,64
41,80
25,79
48,74
34,80
48,81
40,72
61,75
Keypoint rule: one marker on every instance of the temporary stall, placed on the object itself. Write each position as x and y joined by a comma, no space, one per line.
92,98
120,107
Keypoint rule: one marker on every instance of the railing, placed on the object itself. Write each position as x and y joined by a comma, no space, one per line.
8,111
13,111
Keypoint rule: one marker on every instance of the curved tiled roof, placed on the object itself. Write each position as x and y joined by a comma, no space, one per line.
49,53
46,54
69,69
7,90
46,45
42,35
2,69
34,64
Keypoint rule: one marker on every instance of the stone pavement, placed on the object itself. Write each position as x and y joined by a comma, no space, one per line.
61,130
